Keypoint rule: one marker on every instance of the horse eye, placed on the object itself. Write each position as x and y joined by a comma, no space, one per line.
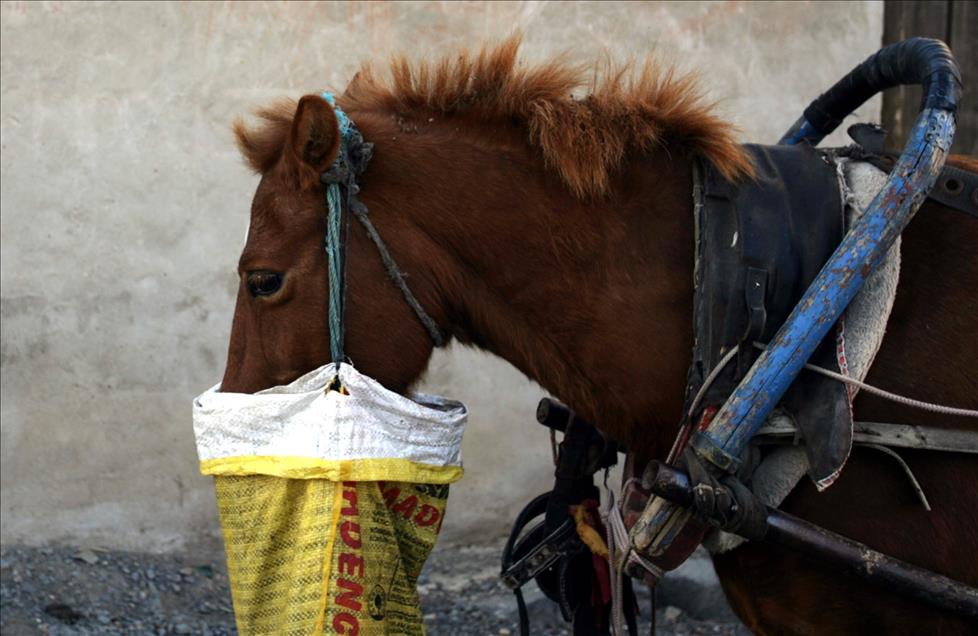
264,283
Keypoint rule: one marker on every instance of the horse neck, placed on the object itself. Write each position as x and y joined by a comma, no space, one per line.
592,299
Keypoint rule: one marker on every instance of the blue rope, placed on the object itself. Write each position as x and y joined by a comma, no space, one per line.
335,261
352,160
341,117
334,244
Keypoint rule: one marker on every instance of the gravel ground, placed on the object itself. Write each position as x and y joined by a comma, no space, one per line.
68,591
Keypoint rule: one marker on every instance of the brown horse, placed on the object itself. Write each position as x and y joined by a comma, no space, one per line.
557,233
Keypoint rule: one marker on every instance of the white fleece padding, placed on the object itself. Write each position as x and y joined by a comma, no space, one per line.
867,314
862,335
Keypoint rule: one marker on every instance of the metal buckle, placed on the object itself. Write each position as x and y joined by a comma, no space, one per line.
562,541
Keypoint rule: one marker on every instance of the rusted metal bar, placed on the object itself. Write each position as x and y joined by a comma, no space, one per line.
723,440
791,532
797,534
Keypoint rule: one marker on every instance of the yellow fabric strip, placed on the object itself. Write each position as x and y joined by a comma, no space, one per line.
591,537
383,469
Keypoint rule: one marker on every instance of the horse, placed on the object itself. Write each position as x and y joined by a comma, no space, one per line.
557,232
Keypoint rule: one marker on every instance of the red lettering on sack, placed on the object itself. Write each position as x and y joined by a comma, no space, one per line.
406,507
391,495
347,532
350,495
350,598
349,593
352,563
346,624
427,516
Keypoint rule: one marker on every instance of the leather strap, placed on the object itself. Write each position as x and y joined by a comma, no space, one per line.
957,189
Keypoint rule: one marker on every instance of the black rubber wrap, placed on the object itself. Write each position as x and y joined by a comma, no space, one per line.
923,61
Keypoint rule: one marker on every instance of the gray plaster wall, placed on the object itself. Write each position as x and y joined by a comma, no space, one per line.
125,205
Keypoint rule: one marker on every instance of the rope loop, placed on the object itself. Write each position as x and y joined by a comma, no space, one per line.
334,260
350,163
339,179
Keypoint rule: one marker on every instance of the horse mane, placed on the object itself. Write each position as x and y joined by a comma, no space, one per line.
585,140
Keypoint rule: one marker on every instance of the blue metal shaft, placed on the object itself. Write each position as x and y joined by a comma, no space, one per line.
840,279
802,130
836,285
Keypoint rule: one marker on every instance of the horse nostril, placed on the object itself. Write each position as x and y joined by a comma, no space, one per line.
263,283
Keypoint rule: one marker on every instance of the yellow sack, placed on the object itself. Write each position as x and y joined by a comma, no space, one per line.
330,502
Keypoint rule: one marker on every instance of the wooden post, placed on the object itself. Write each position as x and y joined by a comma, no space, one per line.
955,22
963,39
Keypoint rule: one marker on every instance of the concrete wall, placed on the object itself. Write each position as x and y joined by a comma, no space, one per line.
125,204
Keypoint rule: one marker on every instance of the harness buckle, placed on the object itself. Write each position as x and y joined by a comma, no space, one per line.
560,542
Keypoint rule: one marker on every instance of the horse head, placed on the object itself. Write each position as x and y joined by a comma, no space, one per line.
280,328
521,228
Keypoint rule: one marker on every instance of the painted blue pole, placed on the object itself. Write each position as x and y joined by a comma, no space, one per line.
836,285
724,440
802,131
915,61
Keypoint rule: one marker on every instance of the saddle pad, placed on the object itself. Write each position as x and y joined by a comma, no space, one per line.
858,339
760,244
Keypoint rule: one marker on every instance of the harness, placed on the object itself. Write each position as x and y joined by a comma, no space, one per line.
339,180
721,438
567,552
780,294
757,287
759,245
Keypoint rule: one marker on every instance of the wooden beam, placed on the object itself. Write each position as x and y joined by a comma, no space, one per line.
904,19
963,40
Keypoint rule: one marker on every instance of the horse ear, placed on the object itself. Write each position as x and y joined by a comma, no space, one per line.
315,135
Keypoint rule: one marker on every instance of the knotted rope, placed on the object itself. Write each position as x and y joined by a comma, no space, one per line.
351,162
